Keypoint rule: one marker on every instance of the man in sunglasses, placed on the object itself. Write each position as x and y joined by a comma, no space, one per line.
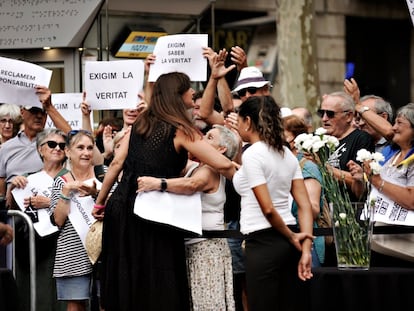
19,155
251,83
337,113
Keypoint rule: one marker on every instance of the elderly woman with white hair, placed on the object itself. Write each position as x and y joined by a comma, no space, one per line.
10,120
209,265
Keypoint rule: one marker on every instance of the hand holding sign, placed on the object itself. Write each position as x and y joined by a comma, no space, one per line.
182,53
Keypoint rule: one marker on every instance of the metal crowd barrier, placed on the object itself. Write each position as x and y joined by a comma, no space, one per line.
32,255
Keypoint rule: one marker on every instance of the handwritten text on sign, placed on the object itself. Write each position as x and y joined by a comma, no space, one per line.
182,53
113,84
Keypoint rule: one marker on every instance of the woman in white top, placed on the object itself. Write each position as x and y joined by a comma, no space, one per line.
209,265
275,255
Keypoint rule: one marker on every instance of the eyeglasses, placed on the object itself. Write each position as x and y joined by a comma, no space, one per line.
4,121
329,113
251,90
52,144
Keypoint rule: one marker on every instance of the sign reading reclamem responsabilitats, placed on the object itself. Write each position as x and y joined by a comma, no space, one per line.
113,84
182,53
18,80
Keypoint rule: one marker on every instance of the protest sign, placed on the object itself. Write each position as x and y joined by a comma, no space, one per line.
37,184
18,80
389,211
182,53
69,106
113,84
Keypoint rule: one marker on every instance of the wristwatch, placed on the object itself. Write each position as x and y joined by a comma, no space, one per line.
363,109
163,184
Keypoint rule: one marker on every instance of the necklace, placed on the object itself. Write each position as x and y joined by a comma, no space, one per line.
71,174
394,161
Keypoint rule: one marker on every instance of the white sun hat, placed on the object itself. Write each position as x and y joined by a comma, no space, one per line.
250,77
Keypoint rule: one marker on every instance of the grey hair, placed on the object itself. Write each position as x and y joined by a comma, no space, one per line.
381,105
407,112
43,135
228,139
12,110
347,103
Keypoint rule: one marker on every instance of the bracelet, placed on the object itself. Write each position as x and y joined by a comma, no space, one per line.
64,197
97,206
381,187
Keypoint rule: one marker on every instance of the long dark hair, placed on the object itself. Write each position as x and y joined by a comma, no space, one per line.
167,105
264,113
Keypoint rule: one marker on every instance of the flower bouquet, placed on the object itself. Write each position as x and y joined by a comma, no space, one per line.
351,235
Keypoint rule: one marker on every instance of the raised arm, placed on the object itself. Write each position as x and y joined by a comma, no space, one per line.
45,97
98,157
218,73
111,175
378,123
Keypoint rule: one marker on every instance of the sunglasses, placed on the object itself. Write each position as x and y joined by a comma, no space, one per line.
329,113
251,90
52,144
73,133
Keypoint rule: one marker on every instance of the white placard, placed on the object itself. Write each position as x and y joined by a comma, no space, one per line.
390,212
18,80
69,106
80,214
113,84
410,4
178,210
182,53
38,184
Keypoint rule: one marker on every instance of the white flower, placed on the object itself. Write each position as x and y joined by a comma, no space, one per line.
377,157
375,167
333,142
342,215
317,145
337,223
363,155
307,145
320,131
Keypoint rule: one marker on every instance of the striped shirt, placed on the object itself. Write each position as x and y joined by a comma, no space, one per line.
71,257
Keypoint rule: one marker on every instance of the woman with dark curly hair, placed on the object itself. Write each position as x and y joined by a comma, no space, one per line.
269,172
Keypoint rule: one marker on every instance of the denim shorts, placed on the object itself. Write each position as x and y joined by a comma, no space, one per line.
236,249
73,288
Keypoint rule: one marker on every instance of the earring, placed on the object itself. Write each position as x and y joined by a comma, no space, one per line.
246,129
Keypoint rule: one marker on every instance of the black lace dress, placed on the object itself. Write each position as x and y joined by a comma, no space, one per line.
143,263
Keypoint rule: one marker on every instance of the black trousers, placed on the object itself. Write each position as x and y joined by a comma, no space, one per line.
271,273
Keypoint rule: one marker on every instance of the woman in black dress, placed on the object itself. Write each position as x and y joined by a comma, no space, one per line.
143,262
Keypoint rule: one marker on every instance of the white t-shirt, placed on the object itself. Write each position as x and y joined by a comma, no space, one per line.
263,165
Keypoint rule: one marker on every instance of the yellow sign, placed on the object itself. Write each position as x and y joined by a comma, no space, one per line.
139,44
